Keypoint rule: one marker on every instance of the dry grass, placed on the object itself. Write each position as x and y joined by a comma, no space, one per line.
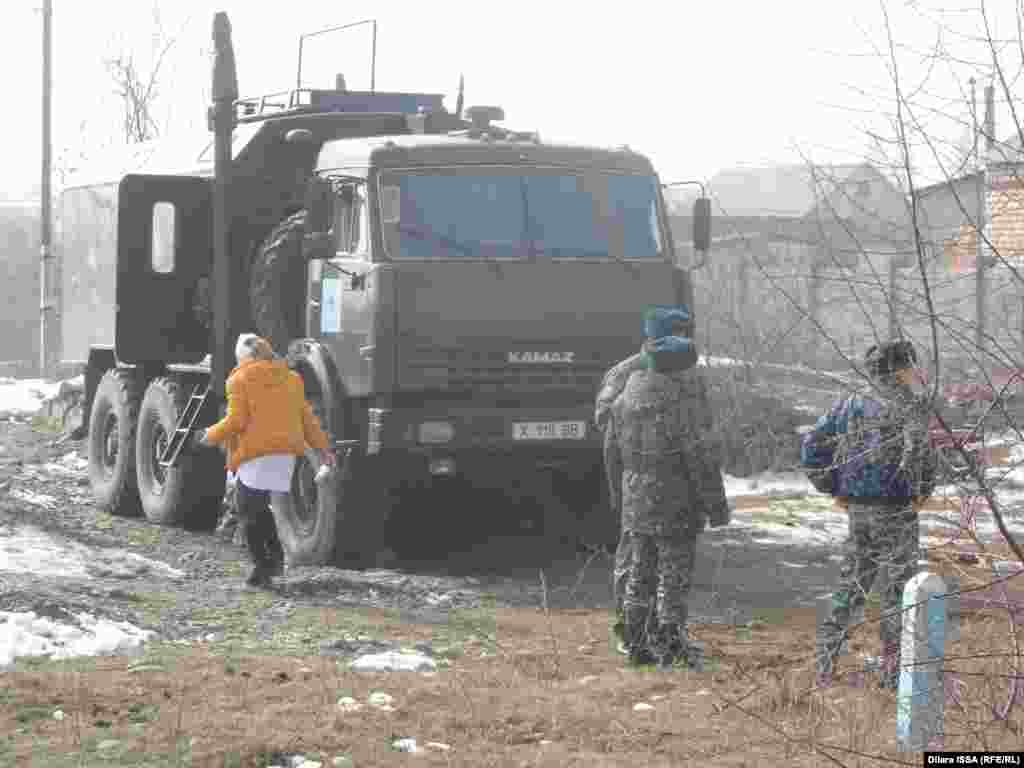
505,700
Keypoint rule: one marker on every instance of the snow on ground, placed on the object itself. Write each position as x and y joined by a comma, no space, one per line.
26,549
793,512
26,634
30,550
24,397
769,484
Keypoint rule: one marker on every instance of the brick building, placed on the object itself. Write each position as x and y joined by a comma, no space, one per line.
948,215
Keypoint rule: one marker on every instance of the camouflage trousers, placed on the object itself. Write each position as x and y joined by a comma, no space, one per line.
661,566
620,572
883,542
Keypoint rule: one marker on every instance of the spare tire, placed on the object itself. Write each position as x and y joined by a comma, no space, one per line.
112,424
277,286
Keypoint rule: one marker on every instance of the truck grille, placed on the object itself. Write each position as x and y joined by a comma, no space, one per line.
487,371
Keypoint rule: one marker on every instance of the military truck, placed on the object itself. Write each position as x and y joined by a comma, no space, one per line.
449,290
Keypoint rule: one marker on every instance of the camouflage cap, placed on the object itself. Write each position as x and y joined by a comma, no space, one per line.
883,359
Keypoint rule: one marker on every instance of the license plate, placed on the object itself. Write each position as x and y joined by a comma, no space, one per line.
549,430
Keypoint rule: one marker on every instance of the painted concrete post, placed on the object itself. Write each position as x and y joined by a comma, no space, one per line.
921,697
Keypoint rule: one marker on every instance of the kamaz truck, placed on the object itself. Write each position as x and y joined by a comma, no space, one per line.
450,291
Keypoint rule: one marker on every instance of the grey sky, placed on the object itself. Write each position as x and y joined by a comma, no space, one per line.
697,86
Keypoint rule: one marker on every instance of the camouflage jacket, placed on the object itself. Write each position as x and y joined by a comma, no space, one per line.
665,480
612,384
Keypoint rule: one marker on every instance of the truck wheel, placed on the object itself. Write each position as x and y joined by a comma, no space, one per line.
189,492
112,425
307,517
277,284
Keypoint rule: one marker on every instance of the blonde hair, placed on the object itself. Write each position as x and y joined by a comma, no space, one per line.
251,345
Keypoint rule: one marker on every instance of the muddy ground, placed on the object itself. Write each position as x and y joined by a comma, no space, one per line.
45,489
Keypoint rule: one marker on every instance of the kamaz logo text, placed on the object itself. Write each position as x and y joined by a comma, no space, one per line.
541,357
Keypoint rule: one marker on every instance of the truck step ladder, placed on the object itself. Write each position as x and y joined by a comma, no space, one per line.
185,427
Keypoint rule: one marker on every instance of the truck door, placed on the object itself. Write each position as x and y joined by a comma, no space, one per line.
164,247
347,306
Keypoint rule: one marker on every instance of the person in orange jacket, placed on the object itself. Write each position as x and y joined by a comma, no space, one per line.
268,423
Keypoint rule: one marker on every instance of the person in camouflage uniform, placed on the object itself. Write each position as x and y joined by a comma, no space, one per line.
611,386
666,484
874,445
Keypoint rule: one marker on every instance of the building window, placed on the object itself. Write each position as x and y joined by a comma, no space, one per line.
164,231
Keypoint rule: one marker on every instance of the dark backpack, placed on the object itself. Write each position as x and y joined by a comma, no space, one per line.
817,456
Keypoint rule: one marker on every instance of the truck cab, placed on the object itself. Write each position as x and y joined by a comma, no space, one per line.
472,292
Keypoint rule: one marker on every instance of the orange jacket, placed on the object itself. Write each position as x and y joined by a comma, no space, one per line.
267,413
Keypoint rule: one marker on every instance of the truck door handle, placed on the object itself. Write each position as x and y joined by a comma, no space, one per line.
367,352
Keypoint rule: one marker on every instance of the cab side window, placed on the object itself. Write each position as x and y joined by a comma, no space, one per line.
350,224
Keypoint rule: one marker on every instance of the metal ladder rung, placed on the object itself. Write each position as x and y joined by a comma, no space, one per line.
189,415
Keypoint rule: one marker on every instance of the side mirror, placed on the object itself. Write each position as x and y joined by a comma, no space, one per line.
319,200
701,224
317,243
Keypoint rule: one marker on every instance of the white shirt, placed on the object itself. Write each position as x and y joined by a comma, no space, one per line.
268,473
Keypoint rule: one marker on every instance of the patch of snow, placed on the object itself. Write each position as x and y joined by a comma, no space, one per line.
25,634
44,500
393,661
405,745
24,397
70,465
348,704
380,699
769,484
30,550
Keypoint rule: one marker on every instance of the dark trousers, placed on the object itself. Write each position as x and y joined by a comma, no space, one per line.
260,530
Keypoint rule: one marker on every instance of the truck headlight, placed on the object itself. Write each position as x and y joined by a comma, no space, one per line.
436,432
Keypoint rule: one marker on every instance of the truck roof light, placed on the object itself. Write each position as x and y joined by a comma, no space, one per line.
482,116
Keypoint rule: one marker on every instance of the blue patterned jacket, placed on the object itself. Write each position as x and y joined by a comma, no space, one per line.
875,447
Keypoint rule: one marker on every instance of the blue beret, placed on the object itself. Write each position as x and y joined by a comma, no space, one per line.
658,319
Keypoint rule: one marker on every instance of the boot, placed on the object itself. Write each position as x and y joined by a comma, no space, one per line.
636,637
889,672
261,576
619,634
825,653
669,645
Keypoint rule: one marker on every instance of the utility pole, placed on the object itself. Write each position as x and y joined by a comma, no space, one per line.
979,229
894,328
45,230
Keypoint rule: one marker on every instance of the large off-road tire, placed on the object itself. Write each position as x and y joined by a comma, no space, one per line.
307,517
191,491
339,520
112,424
277,287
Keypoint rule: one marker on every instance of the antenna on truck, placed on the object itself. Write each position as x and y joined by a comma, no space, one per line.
373,50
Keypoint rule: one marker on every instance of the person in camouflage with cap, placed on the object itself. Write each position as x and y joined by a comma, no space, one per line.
871,452
665,482
611,386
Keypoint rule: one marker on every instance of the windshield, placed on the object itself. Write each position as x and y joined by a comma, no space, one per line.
514,213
